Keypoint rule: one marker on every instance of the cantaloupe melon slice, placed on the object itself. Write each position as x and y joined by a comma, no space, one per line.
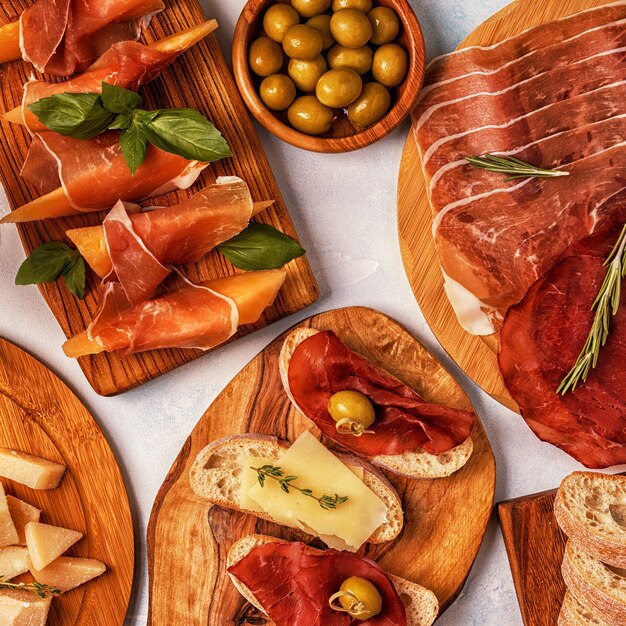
67,572
10,42
8,532
46,543
23,608
14,562
21,514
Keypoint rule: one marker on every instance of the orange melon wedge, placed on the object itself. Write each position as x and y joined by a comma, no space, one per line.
10,42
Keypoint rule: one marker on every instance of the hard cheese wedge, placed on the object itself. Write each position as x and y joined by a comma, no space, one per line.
29,470
67,572
346,527
22,608
13,562
21,514
46,543
8,532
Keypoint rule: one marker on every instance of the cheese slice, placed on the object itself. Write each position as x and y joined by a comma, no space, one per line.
69,572
21,514
349,525
8,532
22,608
29,470
46,543
13,562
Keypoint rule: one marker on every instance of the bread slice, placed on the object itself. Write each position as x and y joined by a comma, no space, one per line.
415,464
600,587
573,613
216,472
591,510
420,603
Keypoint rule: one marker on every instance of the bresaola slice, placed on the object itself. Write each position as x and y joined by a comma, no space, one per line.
322,365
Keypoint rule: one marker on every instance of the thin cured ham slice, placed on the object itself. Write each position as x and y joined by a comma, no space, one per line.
540,342
62,37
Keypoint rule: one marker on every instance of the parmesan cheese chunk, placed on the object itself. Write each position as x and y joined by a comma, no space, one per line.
21,514
13,562
29,470
22,608
46,543
8,532
68,572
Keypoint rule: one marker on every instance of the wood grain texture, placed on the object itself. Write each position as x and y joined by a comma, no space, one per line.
199,79
342,136
475,355
535,545
41,416
445,519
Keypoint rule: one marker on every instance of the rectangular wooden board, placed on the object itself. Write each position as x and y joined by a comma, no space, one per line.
199,79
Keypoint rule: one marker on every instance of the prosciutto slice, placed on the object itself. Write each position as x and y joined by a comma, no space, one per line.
62,37
322,365
540,341
293,585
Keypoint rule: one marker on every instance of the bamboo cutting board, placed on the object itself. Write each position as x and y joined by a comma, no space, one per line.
199,79
41,416
475,355
445,519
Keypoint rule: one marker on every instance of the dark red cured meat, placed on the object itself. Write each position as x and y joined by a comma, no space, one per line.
294,586
321,365
540,341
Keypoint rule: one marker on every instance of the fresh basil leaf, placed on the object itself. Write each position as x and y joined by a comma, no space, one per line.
145,117
187,133
260,247
121,122
119,100
134,144
77,115
75,277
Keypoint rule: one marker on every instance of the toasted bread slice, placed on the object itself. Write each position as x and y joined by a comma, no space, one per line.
591,510
600,587
573,613
216,473
420,603
416,464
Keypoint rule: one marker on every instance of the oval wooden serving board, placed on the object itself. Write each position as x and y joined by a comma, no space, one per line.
475,355
445,518
40,415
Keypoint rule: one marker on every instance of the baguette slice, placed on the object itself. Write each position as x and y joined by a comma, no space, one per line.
216,472
420,603
600,587
591,510
417,464
573,613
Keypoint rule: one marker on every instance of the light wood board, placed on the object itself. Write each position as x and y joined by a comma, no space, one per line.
41,416
475,355
445,519
199,79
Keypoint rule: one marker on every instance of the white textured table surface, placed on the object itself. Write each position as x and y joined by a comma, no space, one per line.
344,207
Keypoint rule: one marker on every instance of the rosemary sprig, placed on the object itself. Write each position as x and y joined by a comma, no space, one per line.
516,168
37,588
286,483
605,305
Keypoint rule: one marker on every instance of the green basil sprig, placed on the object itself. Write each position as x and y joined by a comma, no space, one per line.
184,132
50,261
260,247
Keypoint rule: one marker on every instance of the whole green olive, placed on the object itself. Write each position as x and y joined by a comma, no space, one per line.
352,411
309,8
265,56
359,598
302,42
390,65
357,59
350,28
305,74
338,88
385,25
278,92
321,23
308,115
278,19
360,5
370,106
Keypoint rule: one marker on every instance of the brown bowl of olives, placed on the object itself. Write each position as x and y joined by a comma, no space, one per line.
329,75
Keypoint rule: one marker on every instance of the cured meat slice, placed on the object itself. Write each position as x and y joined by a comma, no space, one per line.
322,365
294,585
540,342
62,37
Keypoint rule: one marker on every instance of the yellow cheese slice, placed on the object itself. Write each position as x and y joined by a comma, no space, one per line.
21,514
29,470
13,562
22,608
46,543
69,572
349,525
8,532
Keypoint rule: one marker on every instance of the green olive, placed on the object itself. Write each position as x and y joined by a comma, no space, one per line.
278,92
265,56
305,74
360,5
357,59
370,106
352,411
385,25
322,24
309,8
390,65
338,88
308,115
302,42
278,19
350,28
359,598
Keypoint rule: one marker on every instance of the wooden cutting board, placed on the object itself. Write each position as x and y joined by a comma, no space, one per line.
445,518
41,416
199,79
535,545
475,355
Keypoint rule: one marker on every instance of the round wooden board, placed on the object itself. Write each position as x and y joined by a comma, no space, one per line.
477,356
445,519
40,415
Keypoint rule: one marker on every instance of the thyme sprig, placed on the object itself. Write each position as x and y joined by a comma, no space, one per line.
515,168
37,588
605,305
286,483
